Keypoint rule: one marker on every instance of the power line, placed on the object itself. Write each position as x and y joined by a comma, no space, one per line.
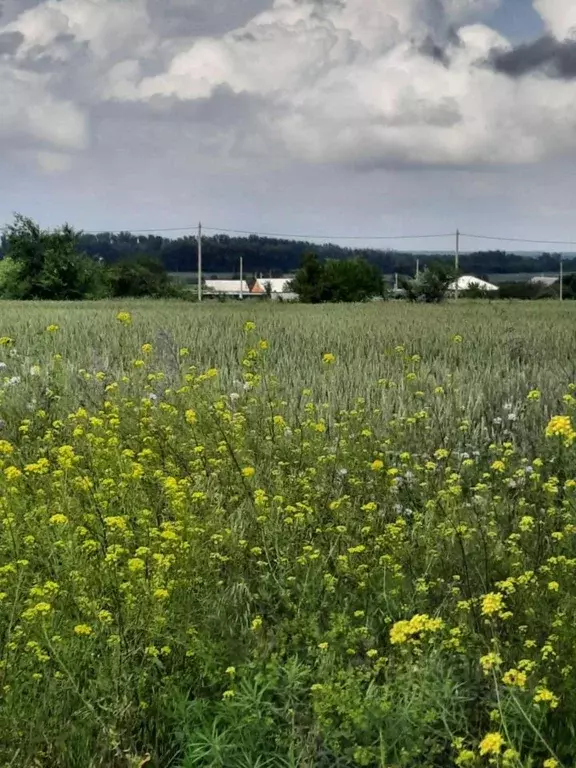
327,237
292,236
518,239
268,234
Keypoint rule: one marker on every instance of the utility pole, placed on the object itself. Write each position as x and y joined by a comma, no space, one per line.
200,261
417,268
396,282
457,262
561,277
241,277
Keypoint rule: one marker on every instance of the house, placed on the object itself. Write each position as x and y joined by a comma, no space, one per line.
468,282
233,288
277,287
543,280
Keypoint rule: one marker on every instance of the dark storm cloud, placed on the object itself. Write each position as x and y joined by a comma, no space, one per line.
555,58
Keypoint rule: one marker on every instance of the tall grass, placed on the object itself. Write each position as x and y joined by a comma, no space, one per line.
265,535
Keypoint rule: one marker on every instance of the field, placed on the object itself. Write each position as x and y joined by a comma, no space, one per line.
273,536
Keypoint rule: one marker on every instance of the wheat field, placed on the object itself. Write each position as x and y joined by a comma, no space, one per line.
257,535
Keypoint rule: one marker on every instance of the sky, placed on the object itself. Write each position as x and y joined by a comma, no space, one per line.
346,120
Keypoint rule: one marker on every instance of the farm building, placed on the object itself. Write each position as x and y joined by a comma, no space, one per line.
543,280
278,287
231,288
467,282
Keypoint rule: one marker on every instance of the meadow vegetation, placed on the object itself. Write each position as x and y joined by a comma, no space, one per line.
260,535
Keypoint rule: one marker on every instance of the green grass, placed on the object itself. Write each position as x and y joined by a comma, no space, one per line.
340,538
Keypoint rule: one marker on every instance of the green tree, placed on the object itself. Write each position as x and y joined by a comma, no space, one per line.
141,276
351,280
431,286
46,264
309,280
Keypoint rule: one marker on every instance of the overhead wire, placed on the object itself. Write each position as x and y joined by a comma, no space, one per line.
332,237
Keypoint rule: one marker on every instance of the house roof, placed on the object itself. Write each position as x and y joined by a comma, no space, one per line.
277,284
227,286
543,280
466,282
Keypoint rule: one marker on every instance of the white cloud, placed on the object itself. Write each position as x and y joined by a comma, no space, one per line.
54,162
104,25
30,111
346,82
559,16
337,81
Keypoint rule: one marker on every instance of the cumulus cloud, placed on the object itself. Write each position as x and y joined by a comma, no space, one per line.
372,83
361,82
104,26
559,17
31,113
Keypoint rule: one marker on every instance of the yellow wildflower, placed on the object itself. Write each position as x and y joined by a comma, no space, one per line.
491,744
515,678
136,565
82,629
561,426
545,695
412,630
58,519
191,417
125,318
493,602
489,661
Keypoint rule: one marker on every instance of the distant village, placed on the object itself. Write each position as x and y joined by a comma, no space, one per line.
276,288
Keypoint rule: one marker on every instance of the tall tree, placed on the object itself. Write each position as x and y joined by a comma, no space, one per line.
45,264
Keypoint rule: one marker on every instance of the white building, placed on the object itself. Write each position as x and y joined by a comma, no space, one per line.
543,280
467,282
227,287
277,286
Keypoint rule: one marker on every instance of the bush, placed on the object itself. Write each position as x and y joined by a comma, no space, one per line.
527,291
142,276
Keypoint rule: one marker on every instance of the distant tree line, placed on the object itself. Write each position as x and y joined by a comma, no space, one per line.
276,257
65,264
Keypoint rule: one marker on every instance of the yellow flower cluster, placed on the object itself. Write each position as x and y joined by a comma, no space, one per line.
414,629
561,426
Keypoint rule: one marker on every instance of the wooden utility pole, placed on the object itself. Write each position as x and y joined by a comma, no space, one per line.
200,261
561,277
457,262
241,277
